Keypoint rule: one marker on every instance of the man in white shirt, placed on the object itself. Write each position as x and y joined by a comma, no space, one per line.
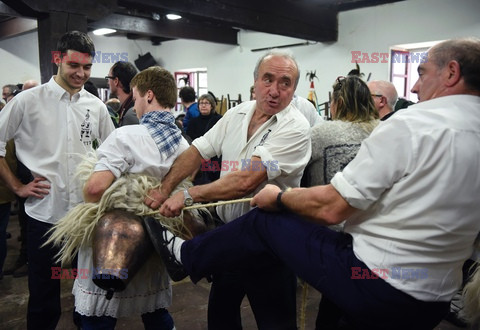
149,293
262,141
307,109
410,200
52,125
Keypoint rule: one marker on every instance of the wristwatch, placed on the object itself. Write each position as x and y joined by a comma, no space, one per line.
280,204
187,198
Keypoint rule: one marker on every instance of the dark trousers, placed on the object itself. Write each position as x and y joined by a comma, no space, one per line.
23,221
270,291
44,301
322,257
25,176
4,217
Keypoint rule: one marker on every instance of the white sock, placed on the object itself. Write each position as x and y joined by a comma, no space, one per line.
175,245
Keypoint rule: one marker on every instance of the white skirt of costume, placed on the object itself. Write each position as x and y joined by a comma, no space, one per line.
146,292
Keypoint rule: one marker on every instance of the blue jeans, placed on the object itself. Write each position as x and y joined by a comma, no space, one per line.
4,217
157,320
322,257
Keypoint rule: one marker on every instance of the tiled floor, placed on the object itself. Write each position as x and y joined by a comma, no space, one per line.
189,308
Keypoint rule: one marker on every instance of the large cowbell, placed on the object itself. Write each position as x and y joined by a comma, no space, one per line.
121,246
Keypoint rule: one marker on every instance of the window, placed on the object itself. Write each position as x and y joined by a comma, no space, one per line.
404,62
195,78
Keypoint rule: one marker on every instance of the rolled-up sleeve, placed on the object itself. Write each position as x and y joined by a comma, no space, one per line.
114,155
286,153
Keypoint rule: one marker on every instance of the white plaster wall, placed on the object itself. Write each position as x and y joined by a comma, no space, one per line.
230,68
19,59
120,46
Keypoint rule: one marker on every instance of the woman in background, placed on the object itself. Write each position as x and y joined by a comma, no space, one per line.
197,127
334,144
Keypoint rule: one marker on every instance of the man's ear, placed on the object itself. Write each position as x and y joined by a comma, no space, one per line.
57,59
453,73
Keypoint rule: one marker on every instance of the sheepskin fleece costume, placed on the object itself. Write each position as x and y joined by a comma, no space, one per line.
150,288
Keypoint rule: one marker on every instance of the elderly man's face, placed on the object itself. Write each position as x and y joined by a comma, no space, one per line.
429,84
275,85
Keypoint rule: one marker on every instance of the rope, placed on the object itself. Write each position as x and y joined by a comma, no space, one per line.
234,201
198,206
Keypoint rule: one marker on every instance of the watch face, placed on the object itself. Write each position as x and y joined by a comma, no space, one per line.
187,199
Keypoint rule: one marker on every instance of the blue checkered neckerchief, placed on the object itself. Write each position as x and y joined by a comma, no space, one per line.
162,128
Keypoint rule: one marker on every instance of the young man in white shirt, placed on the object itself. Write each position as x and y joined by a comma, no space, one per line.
52,126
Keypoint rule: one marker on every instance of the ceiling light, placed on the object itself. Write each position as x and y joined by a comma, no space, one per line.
101,32
173,17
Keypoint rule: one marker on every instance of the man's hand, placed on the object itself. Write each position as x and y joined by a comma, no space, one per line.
155,198
173,206
34,188
266,198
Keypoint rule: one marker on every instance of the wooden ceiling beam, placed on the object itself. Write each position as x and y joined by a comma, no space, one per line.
312,22
167,29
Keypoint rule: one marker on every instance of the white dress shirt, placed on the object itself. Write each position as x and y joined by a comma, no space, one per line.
282,143
131,149
307,109
51,131
128,149
417,180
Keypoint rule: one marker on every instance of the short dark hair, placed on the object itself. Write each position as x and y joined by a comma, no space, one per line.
124,71
89,86
77,41
187,94
160,82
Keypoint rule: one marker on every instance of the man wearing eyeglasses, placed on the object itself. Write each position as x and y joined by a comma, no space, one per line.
384,97
118,79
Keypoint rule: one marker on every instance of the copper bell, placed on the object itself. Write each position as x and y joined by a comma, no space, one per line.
121,246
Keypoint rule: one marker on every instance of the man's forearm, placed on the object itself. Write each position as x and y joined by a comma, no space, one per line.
184,166
6,175
322,204
231,186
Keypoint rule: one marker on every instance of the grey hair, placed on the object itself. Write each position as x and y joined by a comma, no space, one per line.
466,51
287,53
386,89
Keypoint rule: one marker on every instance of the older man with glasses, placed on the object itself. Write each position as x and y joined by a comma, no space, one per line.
384,96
